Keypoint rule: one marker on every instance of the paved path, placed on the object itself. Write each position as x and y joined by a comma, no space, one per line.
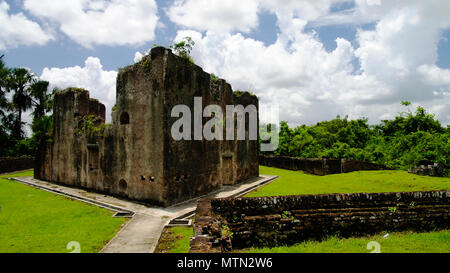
141,234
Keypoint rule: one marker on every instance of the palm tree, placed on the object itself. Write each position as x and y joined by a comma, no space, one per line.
19,80
41,100
43,103
4,72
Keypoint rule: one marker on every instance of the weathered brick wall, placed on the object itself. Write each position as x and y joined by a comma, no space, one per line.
136,157
208,237
12,164
318,166
286,220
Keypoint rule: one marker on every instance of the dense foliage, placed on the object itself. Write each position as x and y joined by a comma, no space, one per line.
399,143
22,91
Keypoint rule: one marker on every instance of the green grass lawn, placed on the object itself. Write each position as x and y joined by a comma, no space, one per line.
404,242
175,240
36,221
296,183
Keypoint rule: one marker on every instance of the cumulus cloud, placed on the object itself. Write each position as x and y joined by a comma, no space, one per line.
100,22
303,79
242,16
215,15
17,30
434,75
397,59
138,56
100,83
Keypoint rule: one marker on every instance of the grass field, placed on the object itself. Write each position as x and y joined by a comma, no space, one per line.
296,183
405,242
36,221
175,240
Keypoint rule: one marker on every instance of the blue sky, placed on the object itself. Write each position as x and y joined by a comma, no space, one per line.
314,59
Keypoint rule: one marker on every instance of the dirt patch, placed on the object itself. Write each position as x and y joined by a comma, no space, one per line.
174,240
167,240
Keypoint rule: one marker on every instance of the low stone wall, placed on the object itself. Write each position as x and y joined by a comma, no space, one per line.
285,220
349,165
319,166
12,164
429,169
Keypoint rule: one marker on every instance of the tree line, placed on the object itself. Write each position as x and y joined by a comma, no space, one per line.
22,91
399,143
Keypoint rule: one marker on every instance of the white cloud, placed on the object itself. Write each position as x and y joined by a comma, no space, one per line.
236,15
100,22
215,15
101,84
17,30
297,78
138,56
397,61
434,75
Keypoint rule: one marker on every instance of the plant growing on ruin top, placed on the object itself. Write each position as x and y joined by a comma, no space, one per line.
183,48
240,93
87,125
214,78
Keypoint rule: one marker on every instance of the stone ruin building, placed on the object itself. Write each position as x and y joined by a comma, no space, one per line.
136,157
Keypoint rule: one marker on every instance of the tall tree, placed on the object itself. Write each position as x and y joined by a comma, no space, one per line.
18,82
4,73
41,99
4,121
42,103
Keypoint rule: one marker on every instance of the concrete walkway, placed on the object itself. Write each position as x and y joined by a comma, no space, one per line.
141,234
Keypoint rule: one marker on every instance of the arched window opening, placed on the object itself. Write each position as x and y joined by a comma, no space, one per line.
123,185
124,118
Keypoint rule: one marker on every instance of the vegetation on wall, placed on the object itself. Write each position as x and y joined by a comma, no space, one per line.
88,126
183,48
